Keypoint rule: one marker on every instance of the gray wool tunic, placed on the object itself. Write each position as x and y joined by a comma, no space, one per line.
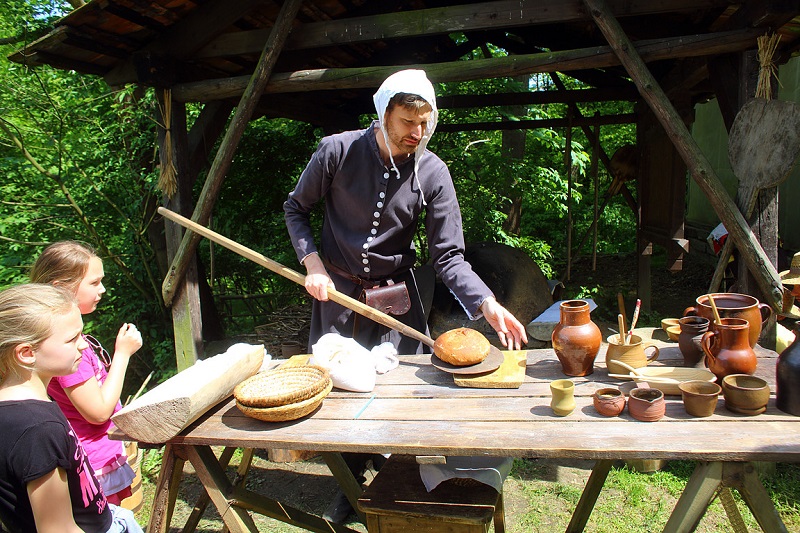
371,215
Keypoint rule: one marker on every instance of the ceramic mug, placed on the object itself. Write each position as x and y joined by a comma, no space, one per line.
563,396
633,354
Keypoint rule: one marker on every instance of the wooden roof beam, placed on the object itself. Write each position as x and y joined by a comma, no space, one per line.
185,37
536,98
507,125
439,21
371,77
701,170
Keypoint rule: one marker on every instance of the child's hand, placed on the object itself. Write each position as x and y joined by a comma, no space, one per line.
129,339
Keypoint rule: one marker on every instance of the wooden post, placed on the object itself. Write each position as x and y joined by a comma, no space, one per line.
701,170
595,157
187,323
222,161
568,164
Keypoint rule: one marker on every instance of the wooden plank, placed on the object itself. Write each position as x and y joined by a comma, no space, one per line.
701,170
224,157
439,21
372,77
510,375
163,412
743,440
600,120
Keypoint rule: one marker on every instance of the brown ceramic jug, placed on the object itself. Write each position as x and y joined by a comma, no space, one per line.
576,339
734,305
727,350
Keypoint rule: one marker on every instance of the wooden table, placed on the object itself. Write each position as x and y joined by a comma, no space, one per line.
418,410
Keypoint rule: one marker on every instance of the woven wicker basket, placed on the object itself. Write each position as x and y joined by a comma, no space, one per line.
282,386
290,411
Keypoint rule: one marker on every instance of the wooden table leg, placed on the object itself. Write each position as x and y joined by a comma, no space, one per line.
744,478
212,476
169,478
696,496
203,499
351,488
589,497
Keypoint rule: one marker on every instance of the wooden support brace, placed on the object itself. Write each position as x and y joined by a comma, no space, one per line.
757,261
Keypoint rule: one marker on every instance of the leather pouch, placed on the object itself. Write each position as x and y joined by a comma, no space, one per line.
391,299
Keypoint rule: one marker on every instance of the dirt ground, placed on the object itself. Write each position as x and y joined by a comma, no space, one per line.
308,485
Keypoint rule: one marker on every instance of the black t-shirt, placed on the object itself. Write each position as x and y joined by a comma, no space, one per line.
34,440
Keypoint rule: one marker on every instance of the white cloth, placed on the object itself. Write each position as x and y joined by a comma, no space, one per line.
491,471
351,366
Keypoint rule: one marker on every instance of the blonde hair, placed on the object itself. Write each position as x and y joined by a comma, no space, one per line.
27,314
64,263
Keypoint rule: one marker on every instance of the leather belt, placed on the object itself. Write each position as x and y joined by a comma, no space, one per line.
367,284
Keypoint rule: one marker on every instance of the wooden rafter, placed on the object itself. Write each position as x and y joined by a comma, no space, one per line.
370,77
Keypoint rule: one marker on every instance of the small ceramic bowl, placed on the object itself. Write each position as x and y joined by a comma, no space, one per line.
667,322
609,401
700,397
745,394
673,332
646,404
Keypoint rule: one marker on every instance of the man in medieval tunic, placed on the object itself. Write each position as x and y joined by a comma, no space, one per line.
375,184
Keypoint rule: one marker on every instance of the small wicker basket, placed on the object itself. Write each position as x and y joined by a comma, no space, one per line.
286,393
286,412
285,385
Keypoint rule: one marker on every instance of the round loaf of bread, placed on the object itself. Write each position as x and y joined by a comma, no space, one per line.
461,347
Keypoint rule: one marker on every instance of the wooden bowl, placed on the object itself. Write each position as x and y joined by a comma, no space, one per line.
667,322
673,332
667,378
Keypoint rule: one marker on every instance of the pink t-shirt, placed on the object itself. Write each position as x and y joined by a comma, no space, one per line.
93,437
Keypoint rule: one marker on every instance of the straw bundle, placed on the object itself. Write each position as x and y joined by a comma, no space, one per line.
167,182
767,45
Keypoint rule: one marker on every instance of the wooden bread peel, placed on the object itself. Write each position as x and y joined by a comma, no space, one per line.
274,266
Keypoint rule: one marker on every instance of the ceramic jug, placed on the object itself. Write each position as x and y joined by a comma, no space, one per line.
692,330
727,350
787,375
633,353
576,339
563,396
734,305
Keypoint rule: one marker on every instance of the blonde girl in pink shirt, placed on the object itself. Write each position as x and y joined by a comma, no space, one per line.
89,396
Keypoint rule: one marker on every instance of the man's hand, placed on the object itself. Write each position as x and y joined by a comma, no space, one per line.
512,334
317,279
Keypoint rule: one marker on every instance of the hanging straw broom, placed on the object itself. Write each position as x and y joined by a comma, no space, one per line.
767,44
167,182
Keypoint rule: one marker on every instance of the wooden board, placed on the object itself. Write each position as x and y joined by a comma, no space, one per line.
509,375
163,412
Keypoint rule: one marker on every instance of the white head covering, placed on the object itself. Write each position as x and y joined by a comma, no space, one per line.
412,82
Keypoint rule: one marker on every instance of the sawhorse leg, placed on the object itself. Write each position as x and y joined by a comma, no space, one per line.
348,483
169,479
589,497
706,479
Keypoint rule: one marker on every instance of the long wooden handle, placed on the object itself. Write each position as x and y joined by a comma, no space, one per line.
333,294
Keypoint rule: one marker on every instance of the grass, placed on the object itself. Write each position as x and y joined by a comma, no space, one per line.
541,496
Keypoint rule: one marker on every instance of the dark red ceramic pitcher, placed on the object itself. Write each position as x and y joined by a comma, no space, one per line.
727,350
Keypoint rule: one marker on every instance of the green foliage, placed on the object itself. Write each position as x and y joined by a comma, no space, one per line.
78,163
